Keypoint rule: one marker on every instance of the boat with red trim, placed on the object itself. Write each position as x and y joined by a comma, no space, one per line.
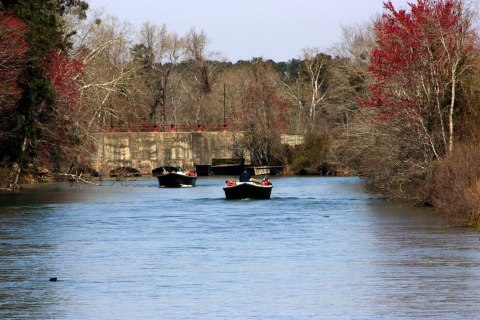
248,190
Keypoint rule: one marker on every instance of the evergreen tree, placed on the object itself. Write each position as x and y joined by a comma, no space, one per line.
35,109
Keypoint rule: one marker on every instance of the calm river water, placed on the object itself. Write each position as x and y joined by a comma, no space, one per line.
321,248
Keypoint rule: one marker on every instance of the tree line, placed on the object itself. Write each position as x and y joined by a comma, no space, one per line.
395,101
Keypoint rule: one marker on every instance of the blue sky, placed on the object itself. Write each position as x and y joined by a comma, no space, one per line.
244,29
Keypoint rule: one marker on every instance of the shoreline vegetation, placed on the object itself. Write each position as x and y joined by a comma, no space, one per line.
395,102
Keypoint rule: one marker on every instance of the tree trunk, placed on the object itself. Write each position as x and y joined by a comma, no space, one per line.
17,168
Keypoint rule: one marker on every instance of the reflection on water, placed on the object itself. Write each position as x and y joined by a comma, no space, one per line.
320,248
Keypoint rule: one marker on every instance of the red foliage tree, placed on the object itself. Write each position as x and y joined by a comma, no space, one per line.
64,75
12,64
417,64
66,126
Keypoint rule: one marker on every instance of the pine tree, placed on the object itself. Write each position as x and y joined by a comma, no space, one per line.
35,110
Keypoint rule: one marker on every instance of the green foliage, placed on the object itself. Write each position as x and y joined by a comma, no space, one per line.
42,21
311,157
35,109
290,70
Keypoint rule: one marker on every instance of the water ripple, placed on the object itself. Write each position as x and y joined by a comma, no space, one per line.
321,248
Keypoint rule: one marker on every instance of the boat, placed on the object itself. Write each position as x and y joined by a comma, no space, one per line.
248,190
174,177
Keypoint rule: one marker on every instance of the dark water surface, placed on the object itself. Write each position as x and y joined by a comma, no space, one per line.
321,248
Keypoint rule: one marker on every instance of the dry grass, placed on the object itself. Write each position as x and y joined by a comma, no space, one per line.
456,191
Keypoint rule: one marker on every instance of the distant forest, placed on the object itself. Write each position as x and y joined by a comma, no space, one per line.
397,101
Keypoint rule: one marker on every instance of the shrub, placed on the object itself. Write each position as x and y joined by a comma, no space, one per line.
456,190
399,168
311,157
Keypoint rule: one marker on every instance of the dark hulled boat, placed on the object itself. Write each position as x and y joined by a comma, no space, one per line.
247,190
174,177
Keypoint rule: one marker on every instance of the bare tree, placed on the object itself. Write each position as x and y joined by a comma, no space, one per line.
263,113
349,80
103,45
311,89
203,68
159,52
110,91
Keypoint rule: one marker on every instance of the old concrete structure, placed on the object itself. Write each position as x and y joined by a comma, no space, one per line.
147,150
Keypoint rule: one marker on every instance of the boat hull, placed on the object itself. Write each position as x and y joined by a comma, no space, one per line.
175,180
247,190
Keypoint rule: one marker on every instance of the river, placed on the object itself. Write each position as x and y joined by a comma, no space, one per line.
321,248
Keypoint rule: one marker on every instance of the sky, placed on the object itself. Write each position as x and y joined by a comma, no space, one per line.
246,29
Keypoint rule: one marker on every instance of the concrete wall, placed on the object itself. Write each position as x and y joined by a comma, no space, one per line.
292,139
147,150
